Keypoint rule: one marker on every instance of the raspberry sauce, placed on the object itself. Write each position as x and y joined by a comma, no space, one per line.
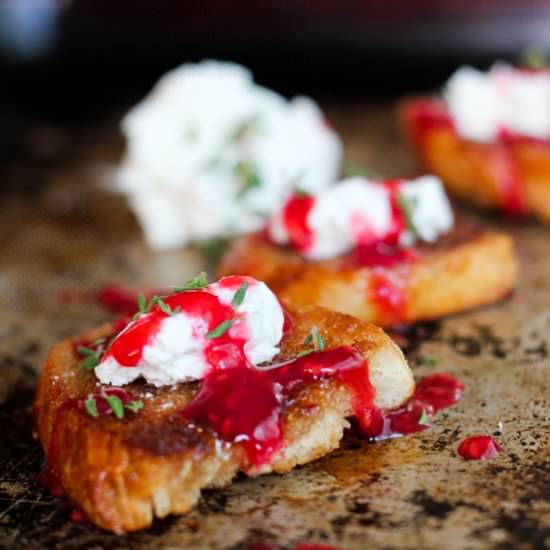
223,351
432,393
258,426
479,447
295,214
428,116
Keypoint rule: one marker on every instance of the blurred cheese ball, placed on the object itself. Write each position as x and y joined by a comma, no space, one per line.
209,154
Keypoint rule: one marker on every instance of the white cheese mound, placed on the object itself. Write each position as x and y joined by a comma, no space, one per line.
209,153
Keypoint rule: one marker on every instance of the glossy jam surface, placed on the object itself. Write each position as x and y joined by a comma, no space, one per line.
295,215
223,351
432,393
479,447
245,404
429,115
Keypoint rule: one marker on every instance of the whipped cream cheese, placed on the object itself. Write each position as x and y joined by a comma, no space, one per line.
503,99
209,153
176,351
358,211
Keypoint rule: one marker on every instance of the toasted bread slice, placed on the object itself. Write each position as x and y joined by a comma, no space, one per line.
467,267
123,473
513,176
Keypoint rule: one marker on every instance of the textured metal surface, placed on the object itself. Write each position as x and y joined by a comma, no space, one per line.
413,492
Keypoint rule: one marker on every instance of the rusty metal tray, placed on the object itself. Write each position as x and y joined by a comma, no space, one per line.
409,493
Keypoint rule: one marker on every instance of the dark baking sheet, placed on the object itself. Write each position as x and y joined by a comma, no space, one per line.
415,492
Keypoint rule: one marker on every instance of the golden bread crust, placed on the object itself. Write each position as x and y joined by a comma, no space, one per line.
123,473
473,172
466,268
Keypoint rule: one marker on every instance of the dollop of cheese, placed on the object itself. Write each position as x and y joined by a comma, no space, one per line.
176,351
503,99
358,211
210,153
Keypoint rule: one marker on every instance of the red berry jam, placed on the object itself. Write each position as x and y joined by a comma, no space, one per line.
258,426
479,447
295,214
223,351
433,393
430,116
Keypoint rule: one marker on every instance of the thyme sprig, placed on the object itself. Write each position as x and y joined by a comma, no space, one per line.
239,295
424,419
197,282
221,329
314,339
248,176
115,403
407,207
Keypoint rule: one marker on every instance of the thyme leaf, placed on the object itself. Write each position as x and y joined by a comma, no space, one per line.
134,406
91,406
239,295
407,207
221,329
424,418
197,282
116,405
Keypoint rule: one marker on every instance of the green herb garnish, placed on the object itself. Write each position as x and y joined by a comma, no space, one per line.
91,406
197,282
407,207
316,339
142,303
239,295
426,360
134,406
164,307
247,172
424,418
116,405
355,169
221,329
91,357
244,129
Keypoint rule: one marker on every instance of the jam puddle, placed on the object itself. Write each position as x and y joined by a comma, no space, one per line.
433,393
258,426
479,447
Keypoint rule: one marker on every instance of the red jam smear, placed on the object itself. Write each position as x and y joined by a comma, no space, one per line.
224,351
295,214
479,447
432,394
429,115
389,262
258,425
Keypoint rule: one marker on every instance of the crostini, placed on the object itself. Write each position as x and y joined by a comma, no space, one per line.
487,138
137,419
388,252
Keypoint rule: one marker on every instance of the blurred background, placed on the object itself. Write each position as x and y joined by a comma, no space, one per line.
72,63
71,59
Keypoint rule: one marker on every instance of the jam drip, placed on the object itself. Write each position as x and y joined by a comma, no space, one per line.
479,447
295,216
258,426
433,393
429,116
